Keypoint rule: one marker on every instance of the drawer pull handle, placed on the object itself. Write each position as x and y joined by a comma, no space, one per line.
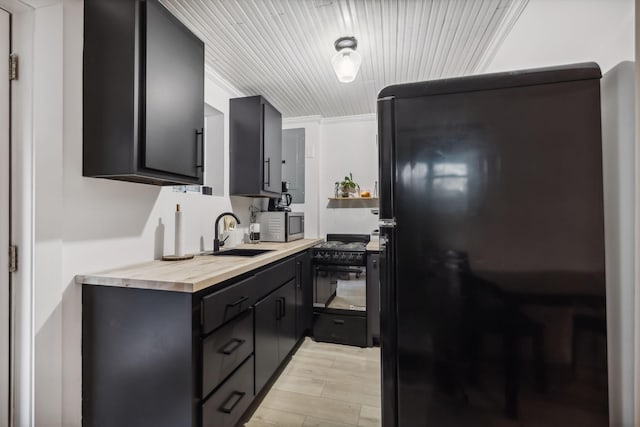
338,321
231,346
235,397
239,301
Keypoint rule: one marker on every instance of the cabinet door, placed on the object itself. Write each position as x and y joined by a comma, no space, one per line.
173,101
272,149
267,314
304,295
300,328
287,320
307,292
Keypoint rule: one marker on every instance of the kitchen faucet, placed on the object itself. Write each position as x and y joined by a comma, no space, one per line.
216,240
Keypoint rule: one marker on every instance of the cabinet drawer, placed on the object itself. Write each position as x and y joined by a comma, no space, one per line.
225,349
228,303
225,407
273,277
340,329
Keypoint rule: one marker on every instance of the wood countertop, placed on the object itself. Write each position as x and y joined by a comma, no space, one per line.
195,274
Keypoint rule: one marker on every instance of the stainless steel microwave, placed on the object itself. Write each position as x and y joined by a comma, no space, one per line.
281,226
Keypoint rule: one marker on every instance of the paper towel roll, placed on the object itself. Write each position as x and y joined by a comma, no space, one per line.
179,248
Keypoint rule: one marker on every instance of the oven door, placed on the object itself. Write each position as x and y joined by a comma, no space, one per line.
326,279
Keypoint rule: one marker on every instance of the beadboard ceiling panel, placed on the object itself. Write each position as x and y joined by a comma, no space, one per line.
282,49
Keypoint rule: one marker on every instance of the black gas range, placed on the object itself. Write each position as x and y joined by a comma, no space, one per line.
341,249
340,289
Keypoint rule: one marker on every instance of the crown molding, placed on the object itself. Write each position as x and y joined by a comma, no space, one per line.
328,120
17,6
301,120
355,118
214,77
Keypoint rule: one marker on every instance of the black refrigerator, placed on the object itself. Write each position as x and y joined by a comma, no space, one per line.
492,251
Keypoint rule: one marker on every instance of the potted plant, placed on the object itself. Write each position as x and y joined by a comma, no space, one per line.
347,186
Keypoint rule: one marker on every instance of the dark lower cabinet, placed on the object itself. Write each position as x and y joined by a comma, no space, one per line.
225,407
222,306
275,330
267,312
287,323
304,295
137,358
349,328
153,358
225,349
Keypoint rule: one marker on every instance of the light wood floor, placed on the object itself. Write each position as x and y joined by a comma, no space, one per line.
326,385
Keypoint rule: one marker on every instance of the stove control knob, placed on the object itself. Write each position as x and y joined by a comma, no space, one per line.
343,256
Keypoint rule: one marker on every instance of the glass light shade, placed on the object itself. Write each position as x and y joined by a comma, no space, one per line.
346,64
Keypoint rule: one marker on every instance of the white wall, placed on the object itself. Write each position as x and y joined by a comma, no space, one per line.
48,176
312,134
22,209
86,224
553,32
347,145
618,139
109,223
336,147
636,352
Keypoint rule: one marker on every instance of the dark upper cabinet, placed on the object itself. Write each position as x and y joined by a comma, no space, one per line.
143,94
255,147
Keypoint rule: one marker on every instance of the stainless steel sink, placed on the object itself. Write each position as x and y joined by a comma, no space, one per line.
240,252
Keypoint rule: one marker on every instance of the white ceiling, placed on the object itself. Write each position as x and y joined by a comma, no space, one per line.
282,49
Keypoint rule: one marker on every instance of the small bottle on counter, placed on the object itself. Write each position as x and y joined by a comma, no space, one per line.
254,232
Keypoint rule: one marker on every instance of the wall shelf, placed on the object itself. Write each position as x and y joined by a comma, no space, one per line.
353,198
353,202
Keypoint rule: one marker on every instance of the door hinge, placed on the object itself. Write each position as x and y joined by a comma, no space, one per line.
13,67
13,259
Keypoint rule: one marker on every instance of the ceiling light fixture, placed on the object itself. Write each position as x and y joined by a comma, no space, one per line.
346,62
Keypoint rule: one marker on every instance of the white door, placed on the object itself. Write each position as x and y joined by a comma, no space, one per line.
4,218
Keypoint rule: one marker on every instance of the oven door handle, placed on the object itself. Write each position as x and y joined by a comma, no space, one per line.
340,269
